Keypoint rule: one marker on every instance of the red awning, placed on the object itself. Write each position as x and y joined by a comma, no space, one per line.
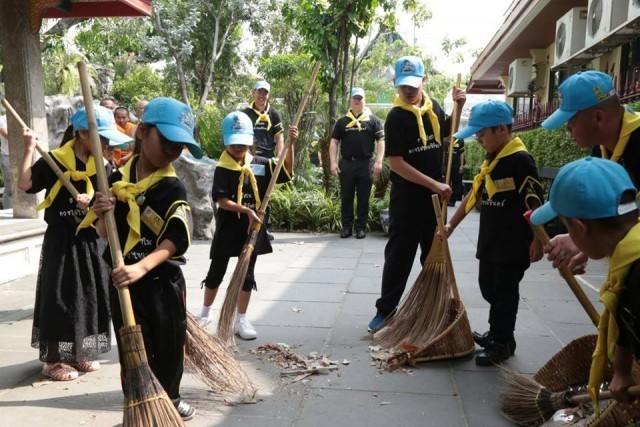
40,9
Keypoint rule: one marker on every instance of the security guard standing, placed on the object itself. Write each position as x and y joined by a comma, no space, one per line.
356,133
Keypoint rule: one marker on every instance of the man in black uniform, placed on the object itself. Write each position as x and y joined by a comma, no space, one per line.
457,164
356,133
268,140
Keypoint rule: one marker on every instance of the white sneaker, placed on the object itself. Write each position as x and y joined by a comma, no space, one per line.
204,321
244,329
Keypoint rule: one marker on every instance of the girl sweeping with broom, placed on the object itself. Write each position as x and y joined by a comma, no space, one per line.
506,187
71,313
150,211
239,183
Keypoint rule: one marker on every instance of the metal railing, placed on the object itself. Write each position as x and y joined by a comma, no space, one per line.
531,119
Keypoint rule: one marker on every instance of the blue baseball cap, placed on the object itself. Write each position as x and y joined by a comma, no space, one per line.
262,84
237,129
486,114
579,92
106,125
175,122
588,188
357,91
409,71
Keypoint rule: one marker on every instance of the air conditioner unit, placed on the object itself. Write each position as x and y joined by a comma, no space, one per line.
604,17
519,77
634,10
570,32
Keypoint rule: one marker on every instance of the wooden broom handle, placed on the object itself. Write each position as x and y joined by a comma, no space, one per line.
445,247
454,129
45,155
287,145
634,390
103,185
542,235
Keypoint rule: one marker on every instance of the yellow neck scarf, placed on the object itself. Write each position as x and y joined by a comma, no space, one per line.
228,162
630,122
355,121
624,255
67,157
262,116
126,191
512,146
427,108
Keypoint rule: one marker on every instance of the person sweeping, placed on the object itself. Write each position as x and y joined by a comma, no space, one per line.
506,187
596,201
150,209
239,183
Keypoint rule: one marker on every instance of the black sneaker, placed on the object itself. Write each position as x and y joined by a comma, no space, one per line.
185,410
493,354
485,339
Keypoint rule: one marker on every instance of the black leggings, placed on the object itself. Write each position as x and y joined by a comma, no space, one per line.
218,269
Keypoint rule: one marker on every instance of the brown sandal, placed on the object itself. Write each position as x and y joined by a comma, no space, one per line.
87,366
59,371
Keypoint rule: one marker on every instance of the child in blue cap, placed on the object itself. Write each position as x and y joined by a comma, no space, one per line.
71,313
150,208
596,200
414,130
595,119
239,184
506,187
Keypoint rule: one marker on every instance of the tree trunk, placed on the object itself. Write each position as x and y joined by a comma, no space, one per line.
181,76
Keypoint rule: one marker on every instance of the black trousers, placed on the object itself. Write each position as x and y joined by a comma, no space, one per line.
356,179
159,306
218,268
500,287
412,223
456,180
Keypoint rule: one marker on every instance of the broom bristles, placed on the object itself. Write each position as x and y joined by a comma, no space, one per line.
424,313
526,402
146,402
229,307
211,360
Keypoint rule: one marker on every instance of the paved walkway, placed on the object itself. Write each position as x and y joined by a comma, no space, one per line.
316,292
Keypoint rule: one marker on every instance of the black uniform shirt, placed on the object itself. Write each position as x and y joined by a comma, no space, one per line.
357,143
628,312
630,159
504,235
265,140
166,199
231,230
402,139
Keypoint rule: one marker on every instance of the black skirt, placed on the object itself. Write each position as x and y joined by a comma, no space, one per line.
71,320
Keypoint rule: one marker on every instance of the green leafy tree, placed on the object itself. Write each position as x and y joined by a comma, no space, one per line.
106,40
141,82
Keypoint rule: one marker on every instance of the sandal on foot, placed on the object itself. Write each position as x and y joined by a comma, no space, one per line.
59,371
87,366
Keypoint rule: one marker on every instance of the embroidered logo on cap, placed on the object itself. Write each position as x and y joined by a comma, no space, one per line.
408,67
186,119
236,125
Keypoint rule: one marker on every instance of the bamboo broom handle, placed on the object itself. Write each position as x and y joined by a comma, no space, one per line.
287,145
103,185
634,390
45,155
445,247
542,235
454,129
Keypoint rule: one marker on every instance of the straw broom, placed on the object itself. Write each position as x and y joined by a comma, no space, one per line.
228,312
45,155
529,403
146,402
424,312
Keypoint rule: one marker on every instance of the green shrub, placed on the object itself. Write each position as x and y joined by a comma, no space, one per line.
140,82
210,130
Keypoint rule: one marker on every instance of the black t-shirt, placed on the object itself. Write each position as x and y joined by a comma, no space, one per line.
628,312
359,143
264,140
458,149
630,159
163,215
231,228
504,235
402,139
63,209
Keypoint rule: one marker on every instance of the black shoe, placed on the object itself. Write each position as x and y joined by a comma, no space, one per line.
270,236
451,204
482,339
346,232
360,234
494,354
